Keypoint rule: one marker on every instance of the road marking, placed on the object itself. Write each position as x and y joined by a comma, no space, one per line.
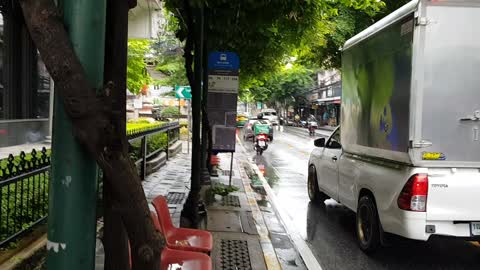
301,246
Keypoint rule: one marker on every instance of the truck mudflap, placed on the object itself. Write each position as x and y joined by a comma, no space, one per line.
453,194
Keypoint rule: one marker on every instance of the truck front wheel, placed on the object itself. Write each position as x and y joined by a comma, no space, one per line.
314,192
368,227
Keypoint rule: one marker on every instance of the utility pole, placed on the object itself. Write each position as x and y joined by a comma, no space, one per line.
205,127
191,206
73,182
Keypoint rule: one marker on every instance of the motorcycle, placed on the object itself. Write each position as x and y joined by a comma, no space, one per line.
312,126
261,143
261,133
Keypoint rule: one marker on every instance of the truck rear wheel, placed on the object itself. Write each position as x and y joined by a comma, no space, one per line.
314,192
367,225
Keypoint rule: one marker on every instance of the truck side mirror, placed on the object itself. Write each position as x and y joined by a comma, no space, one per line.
319,142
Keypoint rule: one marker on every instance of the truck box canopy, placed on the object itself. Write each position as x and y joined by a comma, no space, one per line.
410,89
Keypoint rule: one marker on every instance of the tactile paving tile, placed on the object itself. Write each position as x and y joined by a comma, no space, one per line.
234,255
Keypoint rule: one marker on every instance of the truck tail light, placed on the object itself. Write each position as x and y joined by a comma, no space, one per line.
414,194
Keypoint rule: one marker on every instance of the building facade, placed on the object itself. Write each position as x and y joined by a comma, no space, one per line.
24,82
326,98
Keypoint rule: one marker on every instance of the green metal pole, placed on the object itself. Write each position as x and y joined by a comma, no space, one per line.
73,185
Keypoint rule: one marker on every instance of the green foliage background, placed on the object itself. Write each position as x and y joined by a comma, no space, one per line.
268,33
170,112
137,75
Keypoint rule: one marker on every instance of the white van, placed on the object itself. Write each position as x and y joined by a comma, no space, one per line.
406,158
270,115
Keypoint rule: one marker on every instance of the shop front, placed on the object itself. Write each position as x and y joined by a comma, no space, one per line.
329,104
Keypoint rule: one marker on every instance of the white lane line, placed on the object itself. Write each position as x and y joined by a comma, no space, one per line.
302,247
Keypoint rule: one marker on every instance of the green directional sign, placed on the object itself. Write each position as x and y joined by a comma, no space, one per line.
184,92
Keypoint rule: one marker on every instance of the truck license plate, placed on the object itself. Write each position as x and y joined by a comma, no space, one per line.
261,143
475,226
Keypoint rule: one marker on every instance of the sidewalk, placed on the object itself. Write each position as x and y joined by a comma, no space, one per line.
246,235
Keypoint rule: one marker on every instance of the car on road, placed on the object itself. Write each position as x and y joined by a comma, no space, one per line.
270,115
242,119
401,161
248,128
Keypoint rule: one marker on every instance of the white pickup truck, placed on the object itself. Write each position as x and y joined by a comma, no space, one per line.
407,156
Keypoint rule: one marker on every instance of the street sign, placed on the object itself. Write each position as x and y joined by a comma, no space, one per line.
223,72
223,61
184,92
223,84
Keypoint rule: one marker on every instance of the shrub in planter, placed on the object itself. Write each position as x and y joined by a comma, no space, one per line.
142,123
154,142
183,123
183,132
170,112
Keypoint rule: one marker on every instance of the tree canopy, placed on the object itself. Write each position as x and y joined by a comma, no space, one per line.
265,33
345,25
168,53
137,75
287,86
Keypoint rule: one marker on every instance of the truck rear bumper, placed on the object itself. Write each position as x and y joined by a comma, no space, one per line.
415,226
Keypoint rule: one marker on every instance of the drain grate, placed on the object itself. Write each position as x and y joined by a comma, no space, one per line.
227,173
231,200
234,255
175,197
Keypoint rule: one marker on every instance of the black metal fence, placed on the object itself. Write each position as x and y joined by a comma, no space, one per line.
147,143
23,193
24,179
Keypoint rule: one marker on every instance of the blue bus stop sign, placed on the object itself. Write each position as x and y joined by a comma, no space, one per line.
223,61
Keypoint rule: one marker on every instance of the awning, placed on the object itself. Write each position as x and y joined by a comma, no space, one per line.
335,100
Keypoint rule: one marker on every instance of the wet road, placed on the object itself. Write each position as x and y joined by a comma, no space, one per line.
329,229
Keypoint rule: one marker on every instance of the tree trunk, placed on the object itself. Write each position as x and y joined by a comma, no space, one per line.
115,239
97,128
190,210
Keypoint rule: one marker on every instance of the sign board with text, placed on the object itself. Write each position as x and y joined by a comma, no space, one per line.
223,73
223,84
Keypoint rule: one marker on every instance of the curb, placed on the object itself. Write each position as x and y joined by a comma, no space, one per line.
308,258
269,253
25,253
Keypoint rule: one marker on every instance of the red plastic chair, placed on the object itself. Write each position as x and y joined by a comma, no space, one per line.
214,160
181,238
187,260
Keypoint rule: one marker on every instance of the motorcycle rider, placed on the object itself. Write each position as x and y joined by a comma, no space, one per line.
312,125
260,128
